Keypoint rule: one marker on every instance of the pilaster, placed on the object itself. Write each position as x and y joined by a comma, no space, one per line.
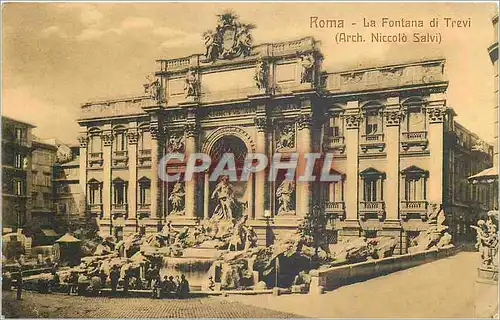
352,119
304,188
261,124
156,131
83,140
436,112
107,140
132,136
391,191
191,146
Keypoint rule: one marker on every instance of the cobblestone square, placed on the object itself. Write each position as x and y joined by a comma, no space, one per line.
35,305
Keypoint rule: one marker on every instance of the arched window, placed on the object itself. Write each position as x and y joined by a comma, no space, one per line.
373,120
145,139
120,141
415,115
95,141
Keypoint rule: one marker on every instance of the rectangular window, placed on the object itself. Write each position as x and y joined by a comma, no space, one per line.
371,123
144,194
335,125
370,190
336,192
95,144
119,191
94,194
415,121
18,161
145,140
121,141
413,189
18,188
20,134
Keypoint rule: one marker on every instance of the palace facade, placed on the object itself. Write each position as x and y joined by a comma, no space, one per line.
389,128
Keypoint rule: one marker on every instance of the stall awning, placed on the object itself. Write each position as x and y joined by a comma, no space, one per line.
49,233
489,175
67,238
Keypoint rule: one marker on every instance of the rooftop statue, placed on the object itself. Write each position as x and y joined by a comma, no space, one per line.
153,88
230,39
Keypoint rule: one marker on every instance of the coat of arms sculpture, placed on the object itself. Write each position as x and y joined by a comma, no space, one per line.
231,39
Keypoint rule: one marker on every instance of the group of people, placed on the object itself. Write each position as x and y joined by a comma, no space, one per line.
170,287
82,284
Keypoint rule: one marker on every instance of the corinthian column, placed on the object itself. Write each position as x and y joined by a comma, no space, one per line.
191,187
156,152
436,112
260,177
83,140
304,188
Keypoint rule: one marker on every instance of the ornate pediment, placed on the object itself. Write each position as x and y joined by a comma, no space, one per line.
230,39
371,172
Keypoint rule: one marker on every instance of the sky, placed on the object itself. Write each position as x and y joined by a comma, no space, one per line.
57,56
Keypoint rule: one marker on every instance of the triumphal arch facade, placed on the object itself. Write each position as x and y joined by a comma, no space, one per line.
381,123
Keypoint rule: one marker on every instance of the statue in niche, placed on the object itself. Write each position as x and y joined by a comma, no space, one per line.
191,84
226,202
261,74
284,194
176,143
307,63
487,240
177,198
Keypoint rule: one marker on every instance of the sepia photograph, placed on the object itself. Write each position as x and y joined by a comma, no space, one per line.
249,160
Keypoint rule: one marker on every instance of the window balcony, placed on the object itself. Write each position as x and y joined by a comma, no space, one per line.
120,158
336,209
416,138
120,154
95,158
119,210
372,141
95,210
371,209
335,143
144,156
410,208
143,210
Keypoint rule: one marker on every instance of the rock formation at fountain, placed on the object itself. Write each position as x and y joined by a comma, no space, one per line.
435,235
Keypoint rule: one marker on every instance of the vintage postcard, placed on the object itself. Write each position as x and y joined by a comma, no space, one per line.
249,160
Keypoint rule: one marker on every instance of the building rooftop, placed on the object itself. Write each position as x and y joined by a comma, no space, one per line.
9,119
